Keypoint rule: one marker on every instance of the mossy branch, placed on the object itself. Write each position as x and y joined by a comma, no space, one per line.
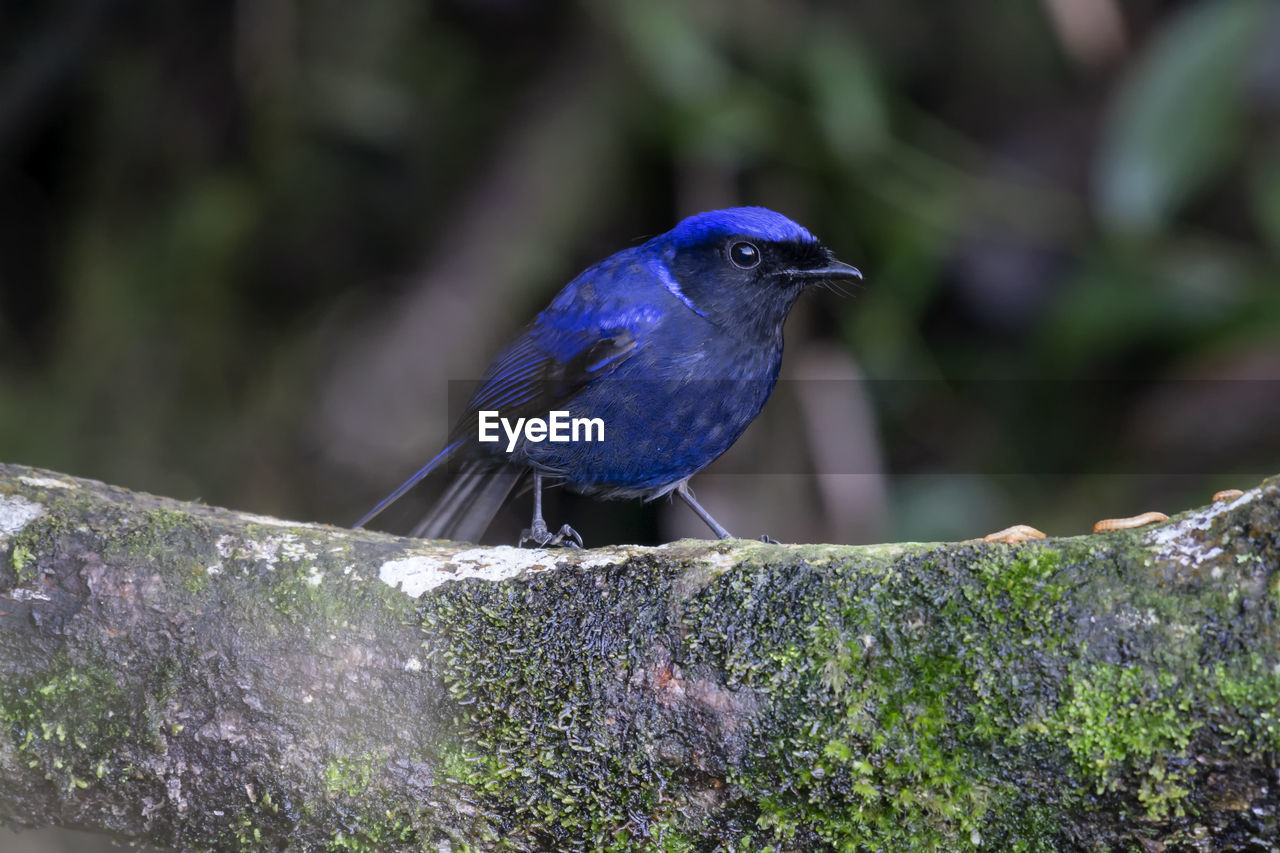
205,679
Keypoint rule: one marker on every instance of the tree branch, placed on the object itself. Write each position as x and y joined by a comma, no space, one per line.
201,678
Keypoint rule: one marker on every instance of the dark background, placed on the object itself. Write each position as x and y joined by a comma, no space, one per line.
246,247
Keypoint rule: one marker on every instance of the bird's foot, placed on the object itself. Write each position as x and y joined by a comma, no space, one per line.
539,536
768,540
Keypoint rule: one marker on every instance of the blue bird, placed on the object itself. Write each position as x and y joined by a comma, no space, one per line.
674,345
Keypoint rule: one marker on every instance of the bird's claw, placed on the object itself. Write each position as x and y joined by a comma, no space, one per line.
539,536
768,540
567,537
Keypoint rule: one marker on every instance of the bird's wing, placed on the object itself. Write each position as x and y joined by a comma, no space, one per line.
544,369
576,341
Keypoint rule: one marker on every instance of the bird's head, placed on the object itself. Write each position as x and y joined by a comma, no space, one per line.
746,265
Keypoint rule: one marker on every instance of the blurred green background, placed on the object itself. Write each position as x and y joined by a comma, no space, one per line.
247,246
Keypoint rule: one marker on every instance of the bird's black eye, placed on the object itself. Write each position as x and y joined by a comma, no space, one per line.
744,255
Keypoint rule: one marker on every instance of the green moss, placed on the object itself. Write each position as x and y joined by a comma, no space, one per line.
37,538
1249,690
373,838
812,698
535,746
196,579
875,711
153,529
350,775
373,828
1021,587
245,834
890,729
307,598
1123,722
174,543
67,720
22,557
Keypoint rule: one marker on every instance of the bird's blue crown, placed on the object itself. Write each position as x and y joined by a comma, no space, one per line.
759,222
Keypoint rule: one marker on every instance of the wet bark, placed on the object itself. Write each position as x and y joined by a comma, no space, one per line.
200,678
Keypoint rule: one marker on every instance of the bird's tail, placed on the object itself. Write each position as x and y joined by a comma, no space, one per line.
472,499
409,483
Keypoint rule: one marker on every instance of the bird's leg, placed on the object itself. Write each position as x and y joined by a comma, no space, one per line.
687,496
538,535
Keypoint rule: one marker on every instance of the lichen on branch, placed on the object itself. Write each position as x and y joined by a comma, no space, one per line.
200,678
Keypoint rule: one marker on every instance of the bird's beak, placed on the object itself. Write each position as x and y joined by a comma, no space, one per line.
832,269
